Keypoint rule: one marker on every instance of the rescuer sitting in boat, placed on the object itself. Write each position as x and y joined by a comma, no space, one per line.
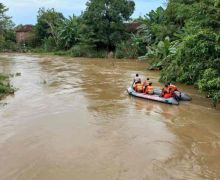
139,88
172,87
146,83
166,92
149,89
137,79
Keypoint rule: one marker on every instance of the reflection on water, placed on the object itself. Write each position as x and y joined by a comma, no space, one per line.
73,119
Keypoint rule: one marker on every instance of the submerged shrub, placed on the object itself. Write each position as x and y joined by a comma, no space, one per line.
210,83
61,53
5,87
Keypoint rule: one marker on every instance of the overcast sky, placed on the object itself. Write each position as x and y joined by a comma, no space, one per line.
25,11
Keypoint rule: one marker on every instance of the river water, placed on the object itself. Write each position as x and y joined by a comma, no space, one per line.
73,119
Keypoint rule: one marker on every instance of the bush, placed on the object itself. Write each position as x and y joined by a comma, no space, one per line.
5,87
195,54
61,53
197,63
38,50
127,49
82,50
49,44
9,46
210,83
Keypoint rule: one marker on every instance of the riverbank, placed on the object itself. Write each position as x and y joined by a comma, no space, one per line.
87,53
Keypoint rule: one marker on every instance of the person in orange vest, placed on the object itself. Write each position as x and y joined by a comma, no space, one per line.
146,83
139,87
149,89
166,92
172,87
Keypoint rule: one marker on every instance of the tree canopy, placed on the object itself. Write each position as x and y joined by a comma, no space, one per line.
5,21
104,22
47,22
7,35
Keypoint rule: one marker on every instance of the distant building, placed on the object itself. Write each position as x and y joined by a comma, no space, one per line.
133,27
22,34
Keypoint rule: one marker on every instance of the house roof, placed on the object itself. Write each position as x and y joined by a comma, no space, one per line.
133,26
25,28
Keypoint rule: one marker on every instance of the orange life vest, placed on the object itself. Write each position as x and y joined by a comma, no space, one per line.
166,93
172,87
149,90
138,87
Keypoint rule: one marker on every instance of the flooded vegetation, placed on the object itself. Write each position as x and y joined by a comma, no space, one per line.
5,87
71,118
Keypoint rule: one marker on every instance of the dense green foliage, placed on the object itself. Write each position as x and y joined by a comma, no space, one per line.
47,24
133,47
210,82
185,41
5,87
80,36
68,32
7,41
103,22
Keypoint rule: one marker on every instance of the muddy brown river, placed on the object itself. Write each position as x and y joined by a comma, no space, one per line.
72,119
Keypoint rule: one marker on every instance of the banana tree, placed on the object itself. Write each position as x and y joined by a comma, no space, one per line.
68,32
162,52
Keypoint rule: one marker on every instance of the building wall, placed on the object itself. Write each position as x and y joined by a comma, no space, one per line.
21,37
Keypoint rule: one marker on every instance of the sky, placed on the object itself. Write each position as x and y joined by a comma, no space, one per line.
25,11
